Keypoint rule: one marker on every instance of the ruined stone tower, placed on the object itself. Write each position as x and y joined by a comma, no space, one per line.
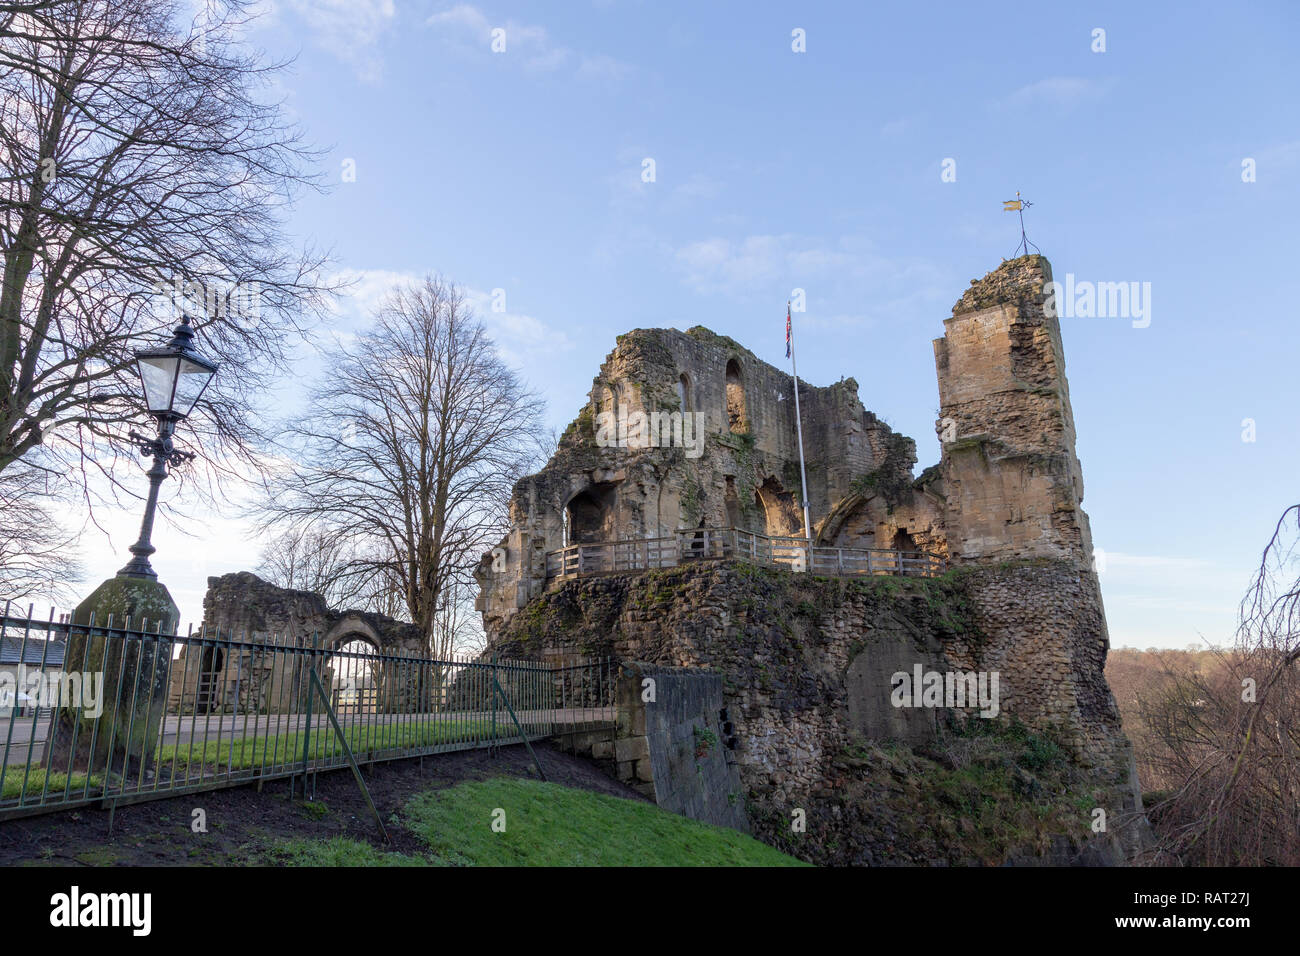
1013,488
1013,484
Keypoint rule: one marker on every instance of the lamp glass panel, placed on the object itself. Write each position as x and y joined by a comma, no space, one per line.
189,386
159,378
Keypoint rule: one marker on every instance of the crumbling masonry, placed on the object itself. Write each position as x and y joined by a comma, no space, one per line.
1003,507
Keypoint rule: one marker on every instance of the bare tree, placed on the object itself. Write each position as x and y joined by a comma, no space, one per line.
38,556
1229,734
415,438
142,174
308,559
314,558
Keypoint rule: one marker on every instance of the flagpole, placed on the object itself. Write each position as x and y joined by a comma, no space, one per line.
798,424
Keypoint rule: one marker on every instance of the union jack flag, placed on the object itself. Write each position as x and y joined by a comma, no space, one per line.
787,330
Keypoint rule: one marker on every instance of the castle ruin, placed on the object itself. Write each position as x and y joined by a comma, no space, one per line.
686,449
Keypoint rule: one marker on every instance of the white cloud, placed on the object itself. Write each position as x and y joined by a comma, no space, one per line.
1119,559
349,29
468,27
1058,92
520,339
742,266
1280,157
900,127
697,187
1155,600
603,68
462,15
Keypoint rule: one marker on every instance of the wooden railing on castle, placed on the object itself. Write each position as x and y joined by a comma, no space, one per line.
717,544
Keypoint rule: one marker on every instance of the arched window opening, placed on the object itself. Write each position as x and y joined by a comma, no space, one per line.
780,512
735,398
684,393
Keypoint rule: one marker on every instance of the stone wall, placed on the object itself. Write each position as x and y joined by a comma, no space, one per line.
252,609
672,743
243,607
806,663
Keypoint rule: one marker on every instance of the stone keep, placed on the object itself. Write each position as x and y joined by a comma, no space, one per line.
742,470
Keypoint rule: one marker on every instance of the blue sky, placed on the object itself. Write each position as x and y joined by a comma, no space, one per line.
522,171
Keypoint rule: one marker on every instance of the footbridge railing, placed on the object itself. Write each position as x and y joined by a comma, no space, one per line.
716,544
117,712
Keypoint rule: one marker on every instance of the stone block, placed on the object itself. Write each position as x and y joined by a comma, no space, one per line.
631,748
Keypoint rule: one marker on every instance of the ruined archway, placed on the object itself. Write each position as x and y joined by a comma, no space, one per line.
737,421
591,514
852,523
782,516
903,542
352,674
684,393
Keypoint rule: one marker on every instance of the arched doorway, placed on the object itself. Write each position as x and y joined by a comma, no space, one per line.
782,516
208,694
354,675
591,514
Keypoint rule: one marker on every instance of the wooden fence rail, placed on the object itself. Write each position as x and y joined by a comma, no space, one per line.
704,544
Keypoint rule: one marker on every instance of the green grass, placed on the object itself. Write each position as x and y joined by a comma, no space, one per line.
545,825
13,784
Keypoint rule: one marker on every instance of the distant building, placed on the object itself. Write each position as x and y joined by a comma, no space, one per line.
34,655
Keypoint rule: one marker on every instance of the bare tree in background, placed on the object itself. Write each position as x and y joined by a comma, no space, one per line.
38,558
415,438
142,174
308,559
313,558
1230,734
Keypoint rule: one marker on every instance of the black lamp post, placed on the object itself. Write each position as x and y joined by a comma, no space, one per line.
174,377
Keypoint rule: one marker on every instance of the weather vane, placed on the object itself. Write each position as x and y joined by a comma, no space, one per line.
1019,205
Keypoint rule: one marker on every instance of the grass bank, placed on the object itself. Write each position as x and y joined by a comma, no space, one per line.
511,822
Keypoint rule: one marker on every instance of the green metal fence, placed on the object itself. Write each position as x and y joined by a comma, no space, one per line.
115,714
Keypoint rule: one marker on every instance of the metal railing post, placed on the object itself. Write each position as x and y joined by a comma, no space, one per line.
306,734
